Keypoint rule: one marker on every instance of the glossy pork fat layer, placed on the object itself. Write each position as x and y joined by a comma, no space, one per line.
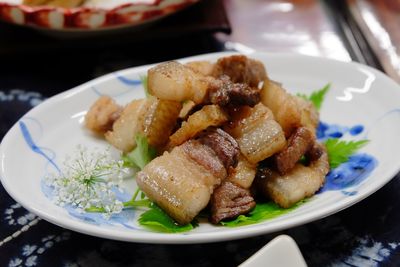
152,117
174,81
290,111
259,136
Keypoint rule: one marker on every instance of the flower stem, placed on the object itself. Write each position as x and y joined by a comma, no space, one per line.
128,204
137,203
95,209
135,194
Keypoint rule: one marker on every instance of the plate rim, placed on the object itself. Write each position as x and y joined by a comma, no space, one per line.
163,238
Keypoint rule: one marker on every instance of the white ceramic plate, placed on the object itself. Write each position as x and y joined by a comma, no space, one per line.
281,251
362,103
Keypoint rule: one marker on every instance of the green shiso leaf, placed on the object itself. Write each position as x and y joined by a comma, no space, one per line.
157,220
143,79
262,212
141,154
317,97
339,151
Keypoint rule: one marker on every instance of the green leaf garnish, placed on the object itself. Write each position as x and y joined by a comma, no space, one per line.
143,79
340,151
141,154
156,219
262,212
317,97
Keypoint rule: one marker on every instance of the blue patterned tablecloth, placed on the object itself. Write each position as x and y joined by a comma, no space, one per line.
366,234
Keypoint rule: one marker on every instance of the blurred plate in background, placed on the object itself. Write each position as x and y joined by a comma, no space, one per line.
92,16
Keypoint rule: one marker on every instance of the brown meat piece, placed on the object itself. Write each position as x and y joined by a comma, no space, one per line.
315,152
298,144
225,146
229,201
227,93
319,160
241,69
204,156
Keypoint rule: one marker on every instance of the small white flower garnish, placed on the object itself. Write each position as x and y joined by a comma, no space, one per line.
88,180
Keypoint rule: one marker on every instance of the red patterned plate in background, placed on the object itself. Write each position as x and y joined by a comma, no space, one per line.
94,15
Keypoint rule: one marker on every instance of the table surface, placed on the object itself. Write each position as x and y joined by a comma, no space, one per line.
366,234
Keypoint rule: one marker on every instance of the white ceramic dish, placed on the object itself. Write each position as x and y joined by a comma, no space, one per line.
281,251
359,96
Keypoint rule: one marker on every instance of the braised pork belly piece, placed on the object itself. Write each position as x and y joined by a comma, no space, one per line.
243,174
177,184
181,181
102,115
283,106
175,81
129,123
259,136
299,183
290,111
152,117
209,115
159,121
